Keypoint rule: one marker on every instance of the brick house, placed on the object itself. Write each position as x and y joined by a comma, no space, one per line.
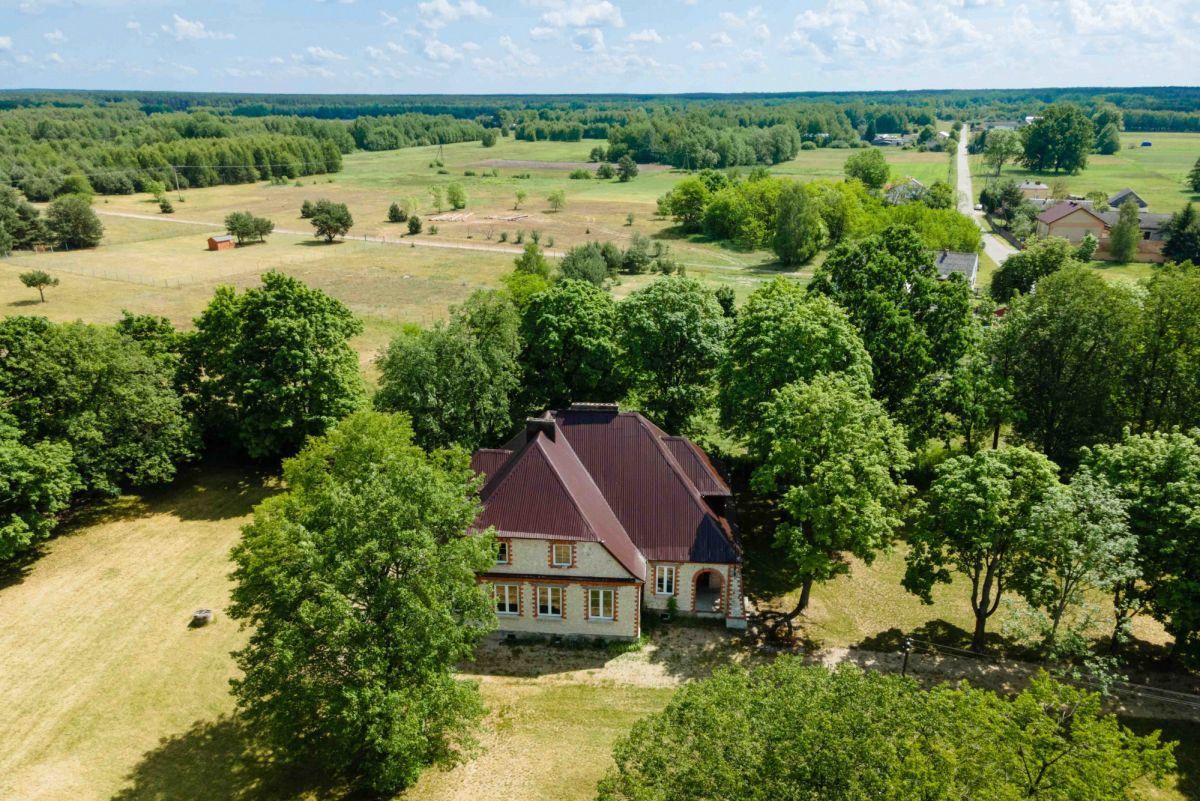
598,514
1072,220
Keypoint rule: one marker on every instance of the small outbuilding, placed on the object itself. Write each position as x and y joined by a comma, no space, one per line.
950,262
221,242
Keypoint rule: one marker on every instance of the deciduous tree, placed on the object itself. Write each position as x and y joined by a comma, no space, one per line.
1023,269
1181,235
331,220
799,229
72,223
39,280
833,460
37,481
274,365
673,337
868,166
358,586
1060,140
1124,237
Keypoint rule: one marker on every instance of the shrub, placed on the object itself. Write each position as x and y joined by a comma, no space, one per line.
504,236
396,213
581,175
808,145
414,224
606,171
164,206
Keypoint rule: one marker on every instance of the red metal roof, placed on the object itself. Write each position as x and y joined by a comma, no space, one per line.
654,484
489,460
1067,207
543,491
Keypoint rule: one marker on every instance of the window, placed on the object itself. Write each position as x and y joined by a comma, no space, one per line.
502,553
664,580
560,554
508,599
600,604
549,601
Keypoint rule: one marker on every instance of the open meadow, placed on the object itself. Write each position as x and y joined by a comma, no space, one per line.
159,264
106,693
1156,172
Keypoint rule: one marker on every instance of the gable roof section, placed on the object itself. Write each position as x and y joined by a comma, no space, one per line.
489,460
1127,194
651,493
1065,209
543,491
700,471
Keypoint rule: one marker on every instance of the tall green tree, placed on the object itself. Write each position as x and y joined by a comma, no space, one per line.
37,481
1079,543
627,169
1065,350
331,220
1165,356
274,365
833,461
39,280
456,381
911,322
974,398
1193,177
785,730
1001,147
456,196
571,351
799,229
1124,237
532,261
1157,475
1181,235
974,523
687,201
782,335
72,224
90,387
358,585
868,166
673,337
1060,140
1108,140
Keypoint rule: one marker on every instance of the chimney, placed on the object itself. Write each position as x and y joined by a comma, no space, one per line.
539,425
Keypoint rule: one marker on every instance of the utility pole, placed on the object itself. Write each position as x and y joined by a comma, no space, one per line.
908,646
175,172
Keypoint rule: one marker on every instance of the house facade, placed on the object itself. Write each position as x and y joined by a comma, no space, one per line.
1034,190
1073,220
600,514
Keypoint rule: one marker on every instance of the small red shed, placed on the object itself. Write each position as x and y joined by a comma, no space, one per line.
220,242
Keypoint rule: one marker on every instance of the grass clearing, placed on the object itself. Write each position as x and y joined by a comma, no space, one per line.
105,693
1156,173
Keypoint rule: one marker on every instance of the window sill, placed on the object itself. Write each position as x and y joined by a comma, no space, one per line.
664,595
508,614
602,620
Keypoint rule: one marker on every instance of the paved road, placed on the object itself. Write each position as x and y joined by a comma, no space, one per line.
994,246
405,241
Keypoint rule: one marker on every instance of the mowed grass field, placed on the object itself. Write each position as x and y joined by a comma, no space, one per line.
107,693
1156,172
161,265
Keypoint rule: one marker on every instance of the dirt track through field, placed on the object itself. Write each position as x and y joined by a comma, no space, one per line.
402,241
558,165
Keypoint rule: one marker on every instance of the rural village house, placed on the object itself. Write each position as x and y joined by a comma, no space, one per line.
949,262
1034,190
599,513
1072,220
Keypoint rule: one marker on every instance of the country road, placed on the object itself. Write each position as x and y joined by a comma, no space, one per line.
994,246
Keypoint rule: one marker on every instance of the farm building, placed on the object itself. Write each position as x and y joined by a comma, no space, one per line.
221,242
1127,194
598,514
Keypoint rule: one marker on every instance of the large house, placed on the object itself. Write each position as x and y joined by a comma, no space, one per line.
1073,220
598,514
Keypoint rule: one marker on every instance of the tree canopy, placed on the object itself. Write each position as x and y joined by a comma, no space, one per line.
868,166
275,365
358,585
1060,140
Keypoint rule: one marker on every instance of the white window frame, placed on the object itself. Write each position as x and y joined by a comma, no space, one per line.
512,597
551,591
661,573
601,592
554,546
506,547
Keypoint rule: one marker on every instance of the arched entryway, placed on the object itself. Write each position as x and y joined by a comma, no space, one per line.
708,591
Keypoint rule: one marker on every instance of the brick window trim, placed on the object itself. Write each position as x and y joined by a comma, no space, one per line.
675,587
520,585
508,549
550,555
562,600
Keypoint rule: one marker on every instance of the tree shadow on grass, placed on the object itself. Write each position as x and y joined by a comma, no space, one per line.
945,633
20,304
215,761
317,243
1187,753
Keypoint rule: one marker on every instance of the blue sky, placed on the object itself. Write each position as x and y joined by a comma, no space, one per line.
458,46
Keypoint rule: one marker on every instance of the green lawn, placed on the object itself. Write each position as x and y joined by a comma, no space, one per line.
106,693
1156,173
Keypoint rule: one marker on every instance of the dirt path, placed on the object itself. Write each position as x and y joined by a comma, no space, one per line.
404,242
558,165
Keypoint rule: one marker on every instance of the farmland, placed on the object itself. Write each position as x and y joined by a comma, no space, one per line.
1156,172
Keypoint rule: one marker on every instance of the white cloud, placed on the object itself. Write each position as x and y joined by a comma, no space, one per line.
734,21
388,19
440,52
542,33
588,40
519,54
54,58
761,32
321,54
470,47
55,36
133,25
5,43
439,13
582,13
184,29
646,35
397,48
695,47
721,39
375,53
